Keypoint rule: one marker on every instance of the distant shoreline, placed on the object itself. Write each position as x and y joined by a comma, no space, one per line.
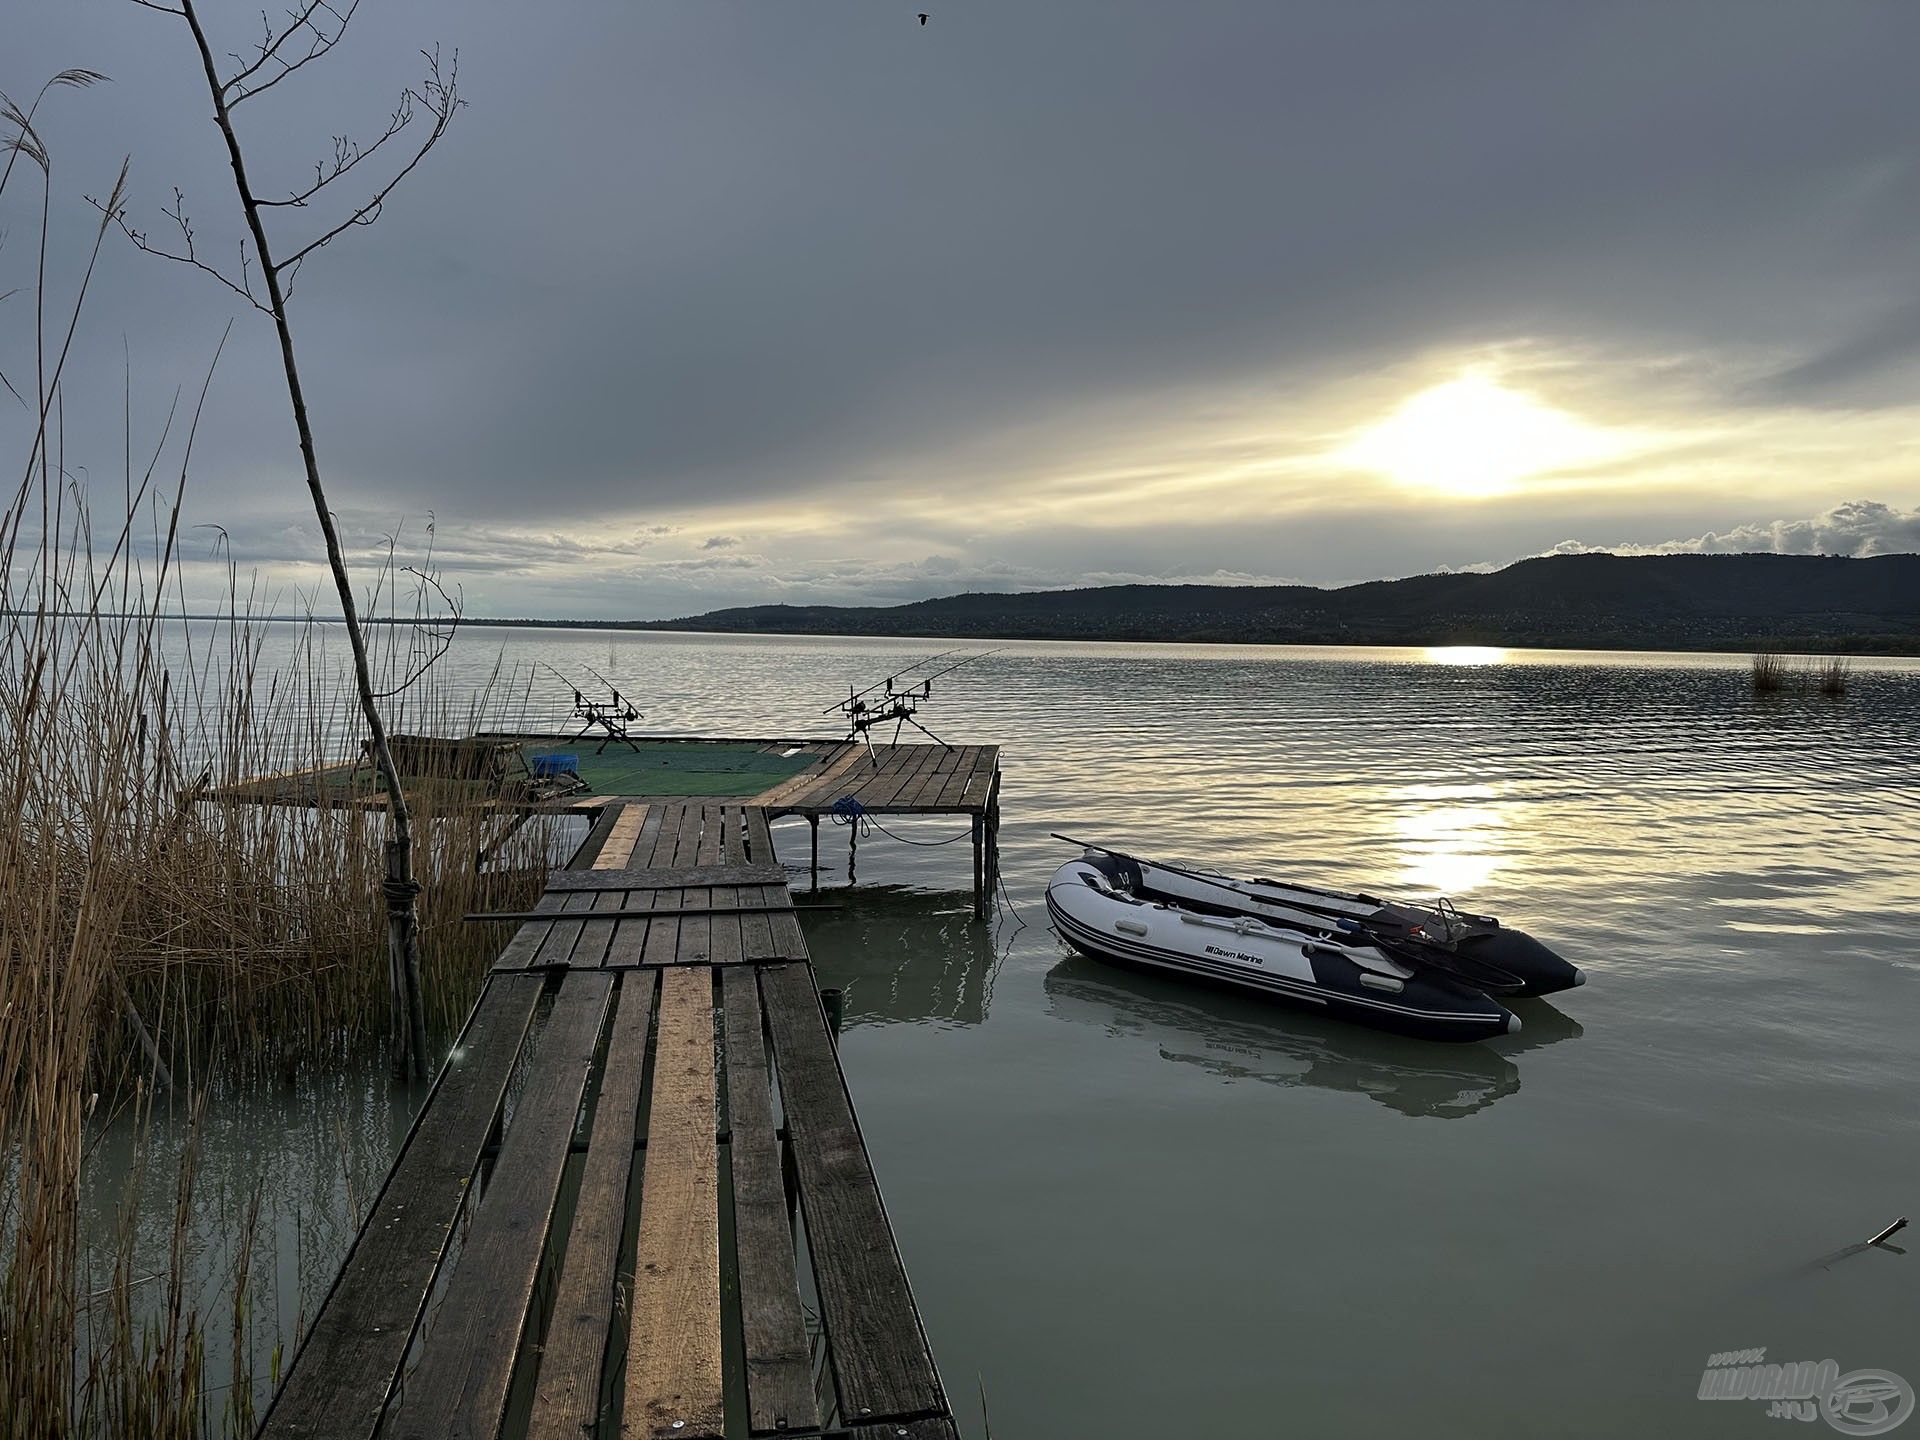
1689,604
1889,648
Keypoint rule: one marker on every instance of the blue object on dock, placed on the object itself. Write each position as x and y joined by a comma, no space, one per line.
545,767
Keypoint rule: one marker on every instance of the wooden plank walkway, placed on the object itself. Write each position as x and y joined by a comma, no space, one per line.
637,1174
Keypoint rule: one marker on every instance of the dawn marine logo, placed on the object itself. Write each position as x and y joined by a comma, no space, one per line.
1861,1402
1234,955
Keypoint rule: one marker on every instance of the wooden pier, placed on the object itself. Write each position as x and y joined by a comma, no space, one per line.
842,779
637,1202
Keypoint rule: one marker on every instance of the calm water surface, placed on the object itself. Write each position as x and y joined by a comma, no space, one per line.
1134,1208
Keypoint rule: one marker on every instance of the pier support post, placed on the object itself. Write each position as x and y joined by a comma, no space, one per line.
979,867
813,838
993,839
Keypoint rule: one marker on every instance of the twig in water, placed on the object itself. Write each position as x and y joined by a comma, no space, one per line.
1891,1230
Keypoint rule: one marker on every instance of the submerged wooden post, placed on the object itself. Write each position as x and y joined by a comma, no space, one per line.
813,838
993,837
979,867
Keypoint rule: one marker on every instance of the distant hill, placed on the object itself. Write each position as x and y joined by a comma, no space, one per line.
1682,602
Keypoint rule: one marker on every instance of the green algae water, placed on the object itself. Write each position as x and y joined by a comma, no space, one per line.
1133,1207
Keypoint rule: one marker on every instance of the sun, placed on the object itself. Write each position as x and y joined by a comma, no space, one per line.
1472,438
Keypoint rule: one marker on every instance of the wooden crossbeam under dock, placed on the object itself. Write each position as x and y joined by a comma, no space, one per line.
631,1245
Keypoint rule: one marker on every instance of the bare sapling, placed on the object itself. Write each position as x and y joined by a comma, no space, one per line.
269,264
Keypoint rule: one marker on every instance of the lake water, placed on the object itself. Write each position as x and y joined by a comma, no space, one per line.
1134,1208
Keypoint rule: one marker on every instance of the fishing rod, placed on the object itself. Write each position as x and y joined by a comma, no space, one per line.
888,683
890,701
613,716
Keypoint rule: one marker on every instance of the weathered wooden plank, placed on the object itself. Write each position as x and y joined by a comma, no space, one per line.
926,789
686,850
760,847
595,935
673,1382
726,943
713,835
932,776
459,1387
609,911
789,942
670,877
954,792
808,783
342,1373
779,1360
662,945
756,931
881,791
934,1428
596,838
847,774
982,780
673,817
695,943
567,1400
621,838
557,948
896,763
881,1363
528,939
629,940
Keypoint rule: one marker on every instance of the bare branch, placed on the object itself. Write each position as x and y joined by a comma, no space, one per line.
443,638
347,153
270,50
439,96
143,241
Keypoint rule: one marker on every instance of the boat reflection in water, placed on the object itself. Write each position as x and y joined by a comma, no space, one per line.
1245,1038
904,956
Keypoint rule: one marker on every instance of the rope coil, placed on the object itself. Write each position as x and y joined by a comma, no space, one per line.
849,811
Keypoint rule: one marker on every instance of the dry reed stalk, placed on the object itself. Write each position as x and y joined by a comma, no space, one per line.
144,925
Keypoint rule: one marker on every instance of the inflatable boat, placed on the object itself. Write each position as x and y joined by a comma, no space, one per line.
1349,975
1476,949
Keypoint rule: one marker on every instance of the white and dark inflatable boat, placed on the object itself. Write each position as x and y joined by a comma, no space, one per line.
1350,975
1475,949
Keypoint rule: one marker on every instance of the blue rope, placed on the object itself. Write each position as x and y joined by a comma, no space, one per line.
849,811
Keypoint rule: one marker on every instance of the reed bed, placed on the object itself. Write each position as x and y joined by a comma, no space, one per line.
1769,674
1772,675
153,938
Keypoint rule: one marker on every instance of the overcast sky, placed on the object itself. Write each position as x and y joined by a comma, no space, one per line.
712,302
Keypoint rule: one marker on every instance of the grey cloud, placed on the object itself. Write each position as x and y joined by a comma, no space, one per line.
1876,365
692,254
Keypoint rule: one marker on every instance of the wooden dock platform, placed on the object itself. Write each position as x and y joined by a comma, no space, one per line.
814,778
637,1202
